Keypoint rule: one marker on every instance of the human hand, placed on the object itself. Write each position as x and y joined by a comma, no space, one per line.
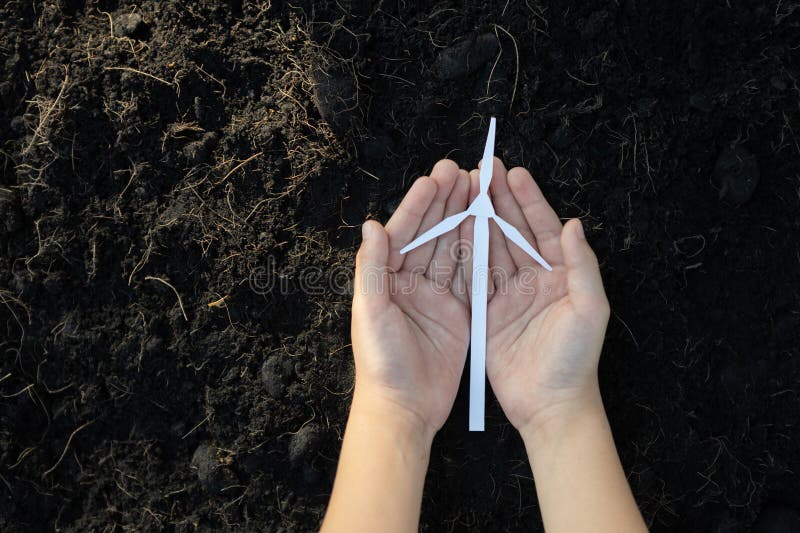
545,329
410,324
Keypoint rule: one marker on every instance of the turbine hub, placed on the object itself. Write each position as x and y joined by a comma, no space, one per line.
482,206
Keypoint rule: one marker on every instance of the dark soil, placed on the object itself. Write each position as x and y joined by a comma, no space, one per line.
168,168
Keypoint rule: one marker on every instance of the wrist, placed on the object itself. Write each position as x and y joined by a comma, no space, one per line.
382,467
551,423
378,411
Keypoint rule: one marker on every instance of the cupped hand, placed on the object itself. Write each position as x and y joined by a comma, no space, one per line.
545,329
410,325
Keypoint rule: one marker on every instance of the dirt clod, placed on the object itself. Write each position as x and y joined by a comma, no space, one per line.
212,473
465,57
305,443
700,102
778,82
736,174
197,152
591,26
128,24
310,475
335,93
777,519
377,147
274,373
10,212
561,137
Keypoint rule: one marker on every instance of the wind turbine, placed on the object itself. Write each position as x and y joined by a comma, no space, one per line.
482,209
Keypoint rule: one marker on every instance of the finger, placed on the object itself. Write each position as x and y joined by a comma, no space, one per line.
404,224
463,280
541,218
584,284
371,278
507,207
443,264
444,174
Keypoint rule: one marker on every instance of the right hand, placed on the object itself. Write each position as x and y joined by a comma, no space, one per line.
545,329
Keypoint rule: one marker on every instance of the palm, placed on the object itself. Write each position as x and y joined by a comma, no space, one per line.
425,334
533,338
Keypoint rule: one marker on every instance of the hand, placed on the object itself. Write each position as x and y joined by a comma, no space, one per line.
410,327
545,329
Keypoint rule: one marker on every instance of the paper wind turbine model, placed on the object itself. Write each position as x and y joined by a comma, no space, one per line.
481,208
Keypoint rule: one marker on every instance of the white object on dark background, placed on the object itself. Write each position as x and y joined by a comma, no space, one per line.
482,209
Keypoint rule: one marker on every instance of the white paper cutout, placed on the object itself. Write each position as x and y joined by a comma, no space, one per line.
482,209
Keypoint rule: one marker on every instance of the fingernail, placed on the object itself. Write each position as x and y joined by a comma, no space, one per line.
366,231
579,230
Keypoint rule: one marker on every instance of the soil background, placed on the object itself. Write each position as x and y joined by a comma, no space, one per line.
224,154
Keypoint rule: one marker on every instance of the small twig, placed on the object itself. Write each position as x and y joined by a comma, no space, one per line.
516,75
127,185
140,265
168,284
240,165
224,89
66,448
22,391
7,484
629,331
128,69
110,23
8,303
44,119
259,204
203,421
370,174
494,66
218,303
582,82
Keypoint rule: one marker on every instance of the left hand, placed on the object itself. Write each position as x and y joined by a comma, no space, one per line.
410,320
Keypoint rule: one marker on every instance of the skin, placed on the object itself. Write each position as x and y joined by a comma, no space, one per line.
410,332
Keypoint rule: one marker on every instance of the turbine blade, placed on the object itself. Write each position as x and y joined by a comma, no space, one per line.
487,163
439,229
516,237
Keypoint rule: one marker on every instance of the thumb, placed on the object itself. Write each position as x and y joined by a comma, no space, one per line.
584,283
371,278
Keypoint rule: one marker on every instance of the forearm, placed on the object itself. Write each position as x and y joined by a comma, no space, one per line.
579,478
381,470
